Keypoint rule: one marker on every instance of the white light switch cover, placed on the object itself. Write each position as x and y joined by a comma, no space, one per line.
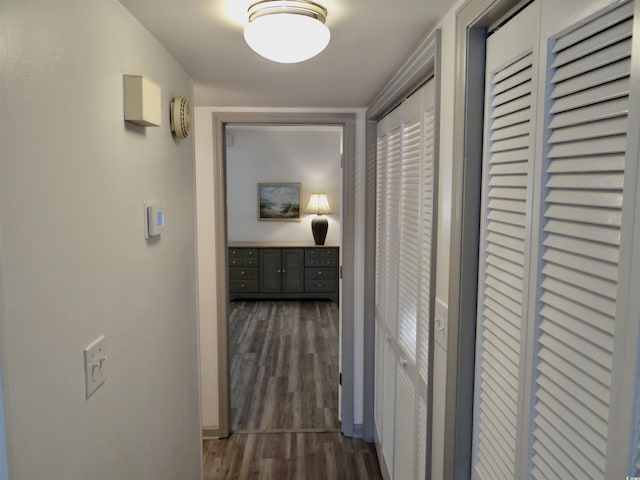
95,359
442,320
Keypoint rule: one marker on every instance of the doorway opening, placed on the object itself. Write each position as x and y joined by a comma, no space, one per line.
214,272
283,316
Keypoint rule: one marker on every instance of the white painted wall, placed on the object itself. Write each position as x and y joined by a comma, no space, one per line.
74,262
205,157
275,154
4,466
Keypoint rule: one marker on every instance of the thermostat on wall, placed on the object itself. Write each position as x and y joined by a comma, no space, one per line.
154,219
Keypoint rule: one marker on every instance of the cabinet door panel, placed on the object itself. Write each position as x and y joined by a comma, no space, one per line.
292,270
270,270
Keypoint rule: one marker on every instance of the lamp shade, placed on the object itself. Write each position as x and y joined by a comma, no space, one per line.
287,31
318,204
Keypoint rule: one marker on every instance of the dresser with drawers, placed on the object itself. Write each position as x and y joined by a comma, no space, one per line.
283,271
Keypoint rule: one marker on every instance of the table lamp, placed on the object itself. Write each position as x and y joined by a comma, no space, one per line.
319,205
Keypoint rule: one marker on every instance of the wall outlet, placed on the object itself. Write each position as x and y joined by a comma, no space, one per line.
95,360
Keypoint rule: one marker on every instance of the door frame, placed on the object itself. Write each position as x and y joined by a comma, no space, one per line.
473,20
347,302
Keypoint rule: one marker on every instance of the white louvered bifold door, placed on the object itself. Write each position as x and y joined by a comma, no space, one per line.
581,221
504,252
553,245
426,298
389,163
409,236
392,225
381,255
381,227
425,319
408,281
405,225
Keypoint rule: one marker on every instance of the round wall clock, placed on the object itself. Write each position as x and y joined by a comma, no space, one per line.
180,117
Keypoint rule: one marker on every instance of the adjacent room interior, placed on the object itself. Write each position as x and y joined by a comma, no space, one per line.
283,287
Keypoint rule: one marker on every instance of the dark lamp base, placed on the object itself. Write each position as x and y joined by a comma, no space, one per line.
319,227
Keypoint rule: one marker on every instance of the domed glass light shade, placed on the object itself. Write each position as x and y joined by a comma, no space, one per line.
287,31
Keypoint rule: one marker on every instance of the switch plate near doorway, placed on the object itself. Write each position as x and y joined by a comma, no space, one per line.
95,359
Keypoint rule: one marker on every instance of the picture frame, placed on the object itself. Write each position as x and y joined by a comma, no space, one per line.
279,202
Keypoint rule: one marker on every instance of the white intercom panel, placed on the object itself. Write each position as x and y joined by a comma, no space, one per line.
154,219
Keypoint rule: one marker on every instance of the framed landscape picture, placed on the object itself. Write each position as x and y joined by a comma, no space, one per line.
279,202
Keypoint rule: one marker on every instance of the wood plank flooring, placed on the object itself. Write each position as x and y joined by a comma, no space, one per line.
290,456
284,366
284,398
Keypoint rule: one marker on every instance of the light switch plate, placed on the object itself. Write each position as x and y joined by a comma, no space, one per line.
442,320
95,360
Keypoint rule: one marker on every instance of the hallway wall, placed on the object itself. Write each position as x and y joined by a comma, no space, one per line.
264,154
74,263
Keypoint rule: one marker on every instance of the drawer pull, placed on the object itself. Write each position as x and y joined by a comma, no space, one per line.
312,252
278,271
284,271
319,285
243,273
319,273
242,286
250,252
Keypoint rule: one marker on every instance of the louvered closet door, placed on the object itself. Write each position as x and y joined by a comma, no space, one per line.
403,306
511,86
552,237
426,298
409,234
387,244
381,230
381,175
389,156
408,281
583,174
392,225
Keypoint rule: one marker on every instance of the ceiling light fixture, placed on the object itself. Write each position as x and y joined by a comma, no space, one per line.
287,31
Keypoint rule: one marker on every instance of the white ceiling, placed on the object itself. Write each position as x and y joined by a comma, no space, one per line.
370,40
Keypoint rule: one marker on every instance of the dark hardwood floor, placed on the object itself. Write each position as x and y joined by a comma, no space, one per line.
284,366
294,456
284,398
